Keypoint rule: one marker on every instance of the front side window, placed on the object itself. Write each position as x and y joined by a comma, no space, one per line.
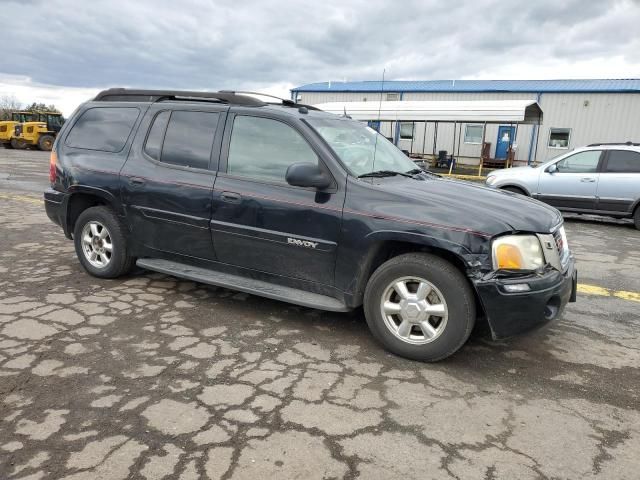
263,149
360,148
583,162
103,128
559,137
406,130
623,161
473,134
189,138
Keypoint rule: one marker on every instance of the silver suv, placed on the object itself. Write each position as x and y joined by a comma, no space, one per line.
601,178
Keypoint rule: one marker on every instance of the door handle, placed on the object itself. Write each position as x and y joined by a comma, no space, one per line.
588,180
230,197
136,181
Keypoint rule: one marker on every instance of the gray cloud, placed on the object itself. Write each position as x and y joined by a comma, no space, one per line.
199,44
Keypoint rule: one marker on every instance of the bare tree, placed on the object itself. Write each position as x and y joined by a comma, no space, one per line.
8,104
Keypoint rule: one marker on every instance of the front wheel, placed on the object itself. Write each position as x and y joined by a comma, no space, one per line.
636,218
101,244
420,306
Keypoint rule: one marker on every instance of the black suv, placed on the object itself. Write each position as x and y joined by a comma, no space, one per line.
287,202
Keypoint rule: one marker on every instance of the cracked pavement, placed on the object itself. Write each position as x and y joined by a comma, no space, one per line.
153,377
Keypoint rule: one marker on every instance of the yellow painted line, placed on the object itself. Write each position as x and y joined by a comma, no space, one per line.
21,198
606,292
464,177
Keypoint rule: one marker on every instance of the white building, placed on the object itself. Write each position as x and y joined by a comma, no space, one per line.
575,113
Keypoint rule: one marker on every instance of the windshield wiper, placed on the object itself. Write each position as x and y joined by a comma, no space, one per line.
384,173
416,171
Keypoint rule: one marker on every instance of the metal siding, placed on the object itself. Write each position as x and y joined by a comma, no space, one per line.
610,117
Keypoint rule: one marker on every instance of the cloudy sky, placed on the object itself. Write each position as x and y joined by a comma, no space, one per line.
64,51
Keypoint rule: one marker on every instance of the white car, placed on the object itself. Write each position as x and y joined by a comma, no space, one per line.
602,179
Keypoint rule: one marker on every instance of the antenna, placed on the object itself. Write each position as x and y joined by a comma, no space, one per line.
375,146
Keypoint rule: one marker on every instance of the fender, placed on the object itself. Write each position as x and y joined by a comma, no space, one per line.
376,242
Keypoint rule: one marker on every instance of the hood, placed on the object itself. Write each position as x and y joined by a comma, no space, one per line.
470,205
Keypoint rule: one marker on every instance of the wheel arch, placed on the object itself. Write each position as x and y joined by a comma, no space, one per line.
82,197
387,245
517,186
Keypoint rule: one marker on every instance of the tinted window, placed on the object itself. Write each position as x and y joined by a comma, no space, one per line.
264,149
623,161
189,138
103,128
153,145
583,162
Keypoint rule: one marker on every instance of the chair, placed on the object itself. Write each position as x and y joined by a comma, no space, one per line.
444,161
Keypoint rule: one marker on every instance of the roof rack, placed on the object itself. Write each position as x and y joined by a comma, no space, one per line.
132,95
629,144
285,101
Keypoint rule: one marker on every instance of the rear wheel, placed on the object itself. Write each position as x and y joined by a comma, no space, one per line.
420,306
45,142
101,244
636,218
7,145
18,144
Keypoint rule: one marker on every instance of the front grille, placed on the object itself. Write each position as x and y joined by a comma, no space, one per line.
29,129
3,128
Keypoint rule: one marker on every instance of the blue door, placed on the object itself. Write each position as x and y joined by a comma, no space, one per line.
505,138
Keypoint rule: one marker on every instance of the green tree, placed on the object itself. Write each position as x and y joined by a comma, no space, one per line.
42,107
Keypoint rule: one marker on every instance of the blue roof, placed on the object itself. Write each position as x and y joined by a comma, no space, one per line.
536,86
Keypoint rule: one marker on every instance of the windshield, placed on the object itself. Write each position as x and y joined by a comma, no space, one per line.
355,144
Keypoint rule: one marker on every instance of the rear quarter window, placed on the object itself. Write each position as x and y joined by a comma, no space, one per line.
103,128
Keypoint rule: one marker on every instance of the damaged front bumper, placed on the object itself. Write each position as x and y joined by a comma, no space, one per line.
510,313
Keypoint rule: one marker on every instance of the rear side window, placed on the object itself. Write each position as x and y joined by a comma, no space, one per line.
153,145
103,128
623,161
189,138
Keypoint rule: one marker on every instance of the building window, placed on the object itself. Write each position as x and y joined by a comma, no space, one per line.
393,97
559,137
473,134
406,130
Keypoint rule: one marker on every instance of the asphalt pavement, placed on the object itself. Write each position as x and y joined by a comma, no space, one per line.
154,377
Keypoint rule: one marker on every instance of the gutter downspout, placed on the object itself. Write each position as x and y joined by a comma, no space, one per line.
534,131
396,137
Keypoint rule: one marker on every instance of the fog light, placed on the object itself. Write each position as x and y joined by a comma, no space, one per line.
517,287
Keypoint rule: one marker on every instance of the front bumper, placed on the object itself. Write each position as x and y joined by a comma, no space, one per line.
509,314
55,204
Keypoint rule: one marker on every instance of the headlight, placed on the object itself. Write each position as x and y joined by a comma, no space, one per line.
517,252
491,180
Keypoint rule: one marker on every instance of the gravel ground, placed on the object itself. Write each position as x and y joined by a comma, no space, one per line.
153,377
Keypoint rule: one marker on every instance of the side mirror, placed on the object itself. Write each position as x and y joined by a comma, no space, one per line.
553,168
305,174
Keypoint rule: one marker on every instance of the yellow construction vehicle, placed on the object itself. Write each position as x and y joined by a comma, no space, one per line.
40,132
7,127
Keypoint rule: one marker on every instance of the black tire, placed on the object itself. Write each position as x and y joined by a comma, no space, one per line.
7,145
453,286
514,190
636,218
119,263
45,142
18,144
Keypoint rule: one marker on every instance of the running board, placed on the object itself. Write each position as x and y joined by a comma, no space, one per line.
243,284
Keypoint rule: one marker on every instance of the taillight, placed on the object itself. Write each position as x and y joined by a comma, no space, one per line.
53,160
